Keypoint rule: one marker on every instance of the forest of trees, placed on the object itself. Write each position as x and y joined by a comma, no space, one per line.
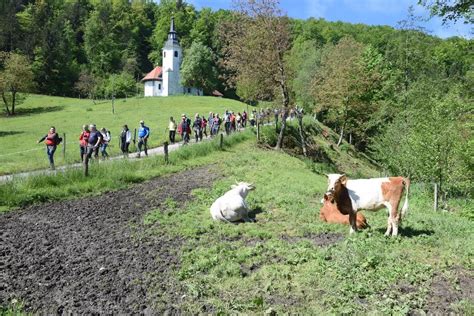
401,95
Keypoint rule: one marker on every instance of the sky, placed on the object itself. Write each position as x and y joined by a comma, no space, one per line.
372,12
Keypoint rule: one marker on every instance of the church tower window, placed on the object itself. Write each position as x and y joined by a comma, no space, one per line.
164,54
175,53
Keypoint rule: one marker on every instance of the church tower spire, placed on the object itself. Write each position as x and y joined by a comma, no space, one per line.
172,35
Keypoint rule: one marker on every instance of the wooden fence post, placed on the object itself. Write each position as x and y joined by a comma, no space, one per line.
258,130
64,146
166,152
435,205
86,164
221,141
135,138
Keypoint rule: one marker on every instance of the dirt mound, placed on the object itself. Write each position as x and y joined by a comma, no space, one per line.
91,255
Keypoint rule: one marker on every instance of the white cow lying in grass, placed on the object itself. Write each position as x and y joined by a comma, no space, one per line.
231,207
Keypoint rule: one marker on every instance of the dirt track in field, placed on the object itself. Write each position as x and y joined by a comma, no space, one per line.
92,255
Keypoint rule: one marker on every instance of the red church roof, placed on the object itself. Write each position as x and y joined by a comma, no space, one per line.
155,74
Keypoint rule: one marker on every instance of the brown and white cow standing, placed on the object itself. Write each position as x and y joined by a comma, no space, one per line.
352,196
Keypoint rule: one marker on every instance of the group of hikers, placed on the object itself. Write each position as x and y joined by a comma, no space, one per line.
199,127
92,141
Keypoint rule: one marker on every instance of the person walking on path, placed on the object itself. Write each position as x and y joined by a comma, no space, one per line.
83,140
227,122
143,134
238,120
217,125
125,139
204,126
52,140
244,119
197,127
210,122
105,142
95,139
172,130
252,118
184,129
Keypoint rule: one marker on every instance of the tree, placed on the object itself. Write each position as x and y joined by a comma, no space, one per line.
450,10
430,140
184,17
304,61
198,68
15,77
255,42
86,85
344,85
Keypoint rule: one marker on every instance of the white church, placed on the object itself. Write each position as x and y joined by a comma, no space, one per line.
164,81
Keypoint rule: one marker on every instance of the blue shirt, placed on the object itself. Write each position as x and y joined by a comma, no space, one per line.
143,131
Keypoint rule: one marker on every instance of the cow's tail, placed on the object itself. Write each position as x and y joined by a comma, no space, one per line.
406,183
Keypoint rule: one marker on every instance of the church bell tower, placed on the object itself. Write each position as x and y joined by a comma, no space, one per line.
172,57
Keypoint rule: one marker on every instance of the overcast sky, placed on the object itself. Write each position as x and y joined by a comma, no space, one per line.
373,12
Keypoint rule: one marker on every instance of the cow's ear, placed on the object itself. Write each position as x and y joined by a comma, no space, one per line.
343,179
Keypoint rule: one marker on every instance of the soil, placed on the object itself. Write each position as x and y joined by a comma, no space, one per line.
92,255
444,293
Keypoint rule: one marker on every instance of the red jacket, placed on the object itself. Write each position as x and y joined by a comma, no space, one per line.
51,139
84,138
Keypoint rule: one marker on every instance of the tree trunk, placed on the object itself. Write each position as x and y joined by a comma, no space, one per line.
13,102
6,104
282,130
286,103
341,136
300,127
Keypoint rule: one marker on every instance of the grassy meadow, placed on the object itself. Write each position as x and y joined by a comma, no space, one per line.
19,134
291,262
288,261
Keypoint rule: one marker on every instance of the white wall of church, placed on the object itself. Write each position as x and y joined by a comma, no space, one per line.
153,88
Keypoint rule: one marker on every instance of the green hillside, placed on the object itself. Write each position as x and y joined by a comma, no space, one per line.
19,134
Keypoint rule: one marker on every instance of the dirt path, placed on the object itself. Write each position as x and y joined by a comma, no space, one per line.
91,255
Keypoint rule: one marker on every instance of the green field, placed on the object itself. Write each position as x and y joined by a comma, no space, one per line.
288,261
19,134
278,263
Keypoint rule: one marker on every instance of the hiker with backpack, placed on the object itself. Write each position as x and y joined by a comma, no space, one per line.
184,129
143,134
105,142
83,139
125,139
51,140
197,127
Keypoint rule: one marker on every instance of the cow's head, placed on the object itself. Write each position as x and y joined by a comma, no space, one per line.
328,198
243,188
335,180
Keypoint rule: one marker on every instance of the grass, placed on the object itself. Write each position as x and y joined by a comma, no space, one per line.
273,265
19,134
110,176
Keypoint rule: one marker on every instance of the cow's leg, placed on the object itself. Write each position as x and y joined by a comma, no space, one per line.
389,220
352,221
395,218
